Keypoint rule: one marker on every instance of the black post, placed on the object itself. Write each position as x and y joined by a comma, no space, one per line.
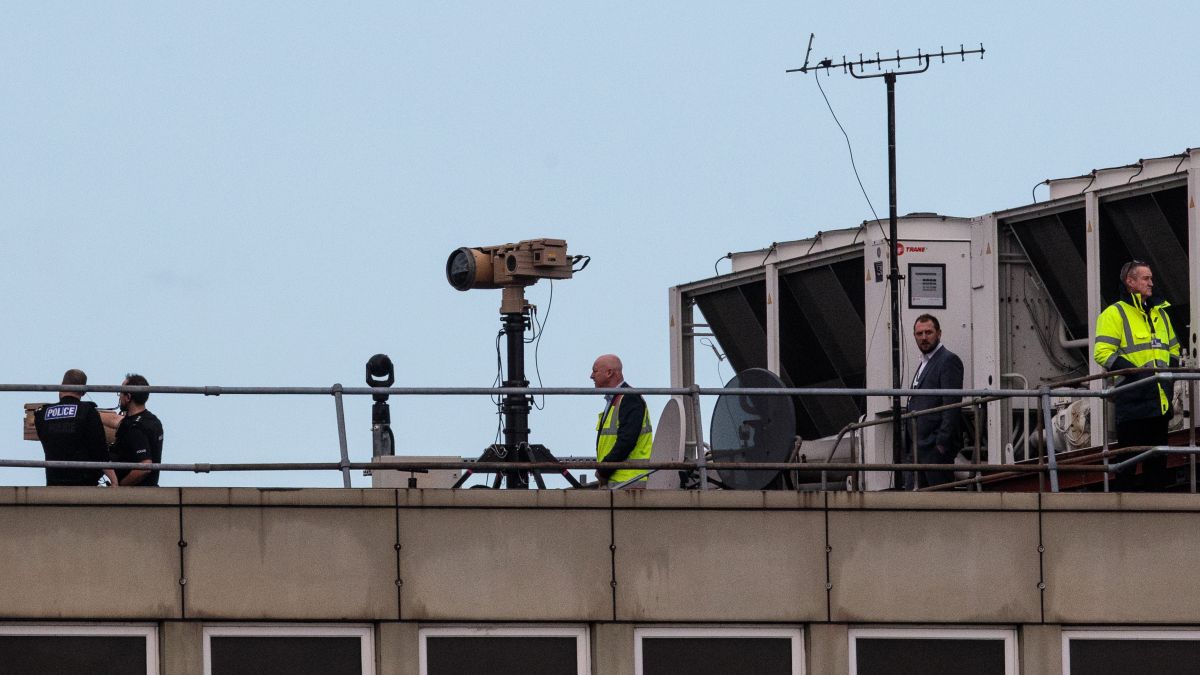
516,406
894,274
382,442
857,69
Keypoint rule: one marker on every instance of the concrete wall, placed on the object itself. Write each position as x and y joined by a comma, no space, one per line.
401,559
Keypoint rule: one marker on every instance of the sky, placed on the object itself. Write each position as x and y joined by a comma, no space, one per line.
265,194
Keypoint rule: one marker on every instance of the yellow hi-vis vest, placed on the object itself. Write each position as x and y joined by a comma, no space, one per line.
606,439
1142,336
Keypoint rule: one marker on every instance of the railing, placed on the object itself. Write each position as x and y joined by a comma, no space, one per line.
700,464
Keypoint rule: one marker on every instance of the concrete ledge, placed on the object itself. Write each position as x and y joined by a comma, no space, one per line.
544,556
287,563
505,564
63,495
505,499
935,501
597,499
66,562
717,499
1120,501
952,566
1121,567
679,565
267,497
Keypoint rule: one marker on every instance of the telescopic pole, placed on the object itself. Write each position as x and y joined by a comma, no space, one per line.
894,273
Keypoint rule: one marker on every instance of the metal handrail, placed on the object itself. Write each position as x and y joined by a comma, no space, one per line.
486,467
337,391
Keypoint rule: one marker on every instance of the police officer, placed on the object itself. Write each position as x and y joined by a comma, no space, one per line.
70,430
139,436
623,432
1136,332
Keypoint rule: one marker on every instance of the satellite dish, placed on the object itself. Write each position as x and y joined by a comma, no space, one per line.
668,445
758,428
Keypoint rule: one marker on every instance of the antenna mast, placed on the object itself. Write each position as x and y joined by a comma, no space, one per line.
883,68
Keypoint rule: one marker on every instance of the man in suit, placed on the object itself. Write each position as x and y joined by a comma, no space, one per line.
937,436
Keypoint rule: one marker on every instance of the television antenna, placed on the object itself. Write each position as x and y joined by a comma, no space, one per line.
883,68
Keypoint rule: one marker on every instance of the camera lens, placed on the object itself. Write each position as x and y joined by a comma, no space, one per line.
460,269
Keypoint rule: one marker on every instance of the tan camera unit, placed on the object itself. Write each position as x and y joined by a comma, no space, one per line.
508,265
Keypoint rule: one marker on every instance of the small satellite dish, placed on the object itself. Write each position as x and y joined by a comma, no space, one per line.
757,428
668,445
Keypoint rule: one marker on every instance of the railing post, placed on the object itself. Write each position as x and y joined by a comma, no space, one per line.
341,422
860,484
1103,407
910,427
975,457
1192,433
1048,431
698,423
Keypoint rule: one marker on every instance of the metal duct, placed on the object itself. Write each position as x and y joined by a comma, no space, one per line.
1055,246
1150,227
822,342
822,336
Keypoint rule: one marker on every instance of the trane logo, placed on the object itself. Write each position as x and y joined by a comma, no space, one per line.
59,412
901,249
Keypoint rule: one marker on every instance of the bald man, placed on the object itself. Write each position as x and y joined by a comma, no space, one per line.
623,432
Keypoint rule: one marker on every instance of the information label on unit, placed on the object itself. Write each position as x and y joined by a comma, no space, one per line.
927,286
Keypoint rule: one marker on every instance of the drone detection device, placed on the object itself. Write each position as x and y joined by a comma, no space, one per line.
381,374
511,268
508,265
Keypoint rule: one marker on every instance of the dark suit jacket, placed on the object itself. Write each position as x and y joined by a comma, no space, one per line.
944,371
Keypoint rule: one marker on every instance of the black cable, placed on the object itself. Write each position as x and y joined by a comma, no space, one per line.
1033,192
851,149
495,383
1141,166
538,344
727,255
1182,157
1085,187
720,357
774,245
534,326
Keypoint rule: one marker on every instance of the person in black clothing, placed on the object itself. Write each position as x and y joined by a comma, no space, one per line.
70,430
139,436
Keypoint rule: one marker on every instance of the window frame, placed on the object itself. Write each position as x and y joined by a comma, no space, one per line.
794,634
146,630
583,657
1117,633
1007,635
364,632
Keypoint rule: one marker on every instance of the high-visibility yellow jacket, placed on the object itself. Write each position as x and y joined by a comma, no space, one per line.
1132,334
607,427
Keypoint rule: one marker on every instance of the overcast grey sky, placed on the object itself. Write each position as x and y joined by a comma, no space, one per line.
265,193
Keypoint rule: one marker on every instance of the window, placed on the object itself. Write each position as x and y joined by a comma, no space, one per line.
501,650
883,651
1099,651
291,650
99,649
716,649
